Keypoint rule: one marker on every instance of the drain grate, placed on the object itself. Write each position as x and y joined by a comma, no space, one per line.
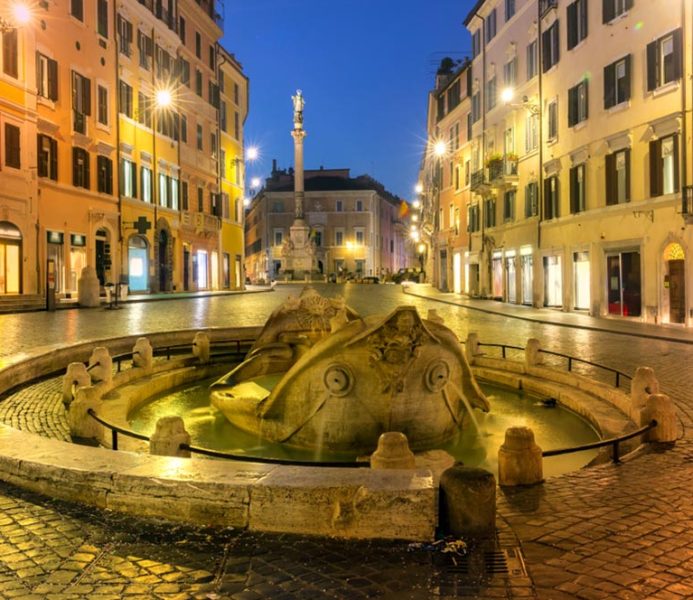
481,563
504,561
459,565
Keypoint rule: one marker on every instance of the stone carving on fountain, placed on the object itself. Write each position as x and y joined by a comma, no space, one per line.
340,381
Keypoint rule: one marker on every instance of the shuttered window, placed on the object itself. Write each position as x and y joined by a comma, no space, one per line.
551,198
12,146
577,189
80,168
102,17
47,157
664,60
104,175
531,199
10,56
46,77
550,48
614,8
617,78
577,23
81,101
577,104
125,99
618,177
664,166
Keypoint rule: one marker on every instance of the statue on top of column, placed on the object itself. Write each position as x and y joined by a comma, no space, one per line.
299,103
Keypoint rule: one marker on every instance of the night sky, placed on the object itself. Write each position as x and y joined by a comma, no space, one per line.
365,68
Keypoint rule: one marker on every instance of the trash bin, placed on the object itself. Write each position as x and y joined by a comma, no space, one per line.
123,291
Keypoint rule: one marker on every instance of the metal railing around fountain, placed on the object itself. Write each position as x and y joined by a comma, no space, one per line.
615,457
116,430
619,375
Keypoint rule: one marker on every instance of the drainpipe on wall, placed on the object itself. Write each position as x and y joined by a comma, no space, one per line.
684,111
540,190
117,117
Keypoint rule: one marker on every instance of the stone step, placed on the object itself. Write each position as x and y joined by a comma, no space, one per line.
12,303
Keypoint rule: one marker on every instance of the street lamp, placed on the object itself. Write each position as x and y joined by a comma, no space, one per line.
255,183
18,14
440,148
252,153
419,188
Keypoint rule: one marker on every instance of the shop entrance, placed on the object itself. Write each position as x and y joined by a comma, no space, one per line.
10,259
623,271
675,282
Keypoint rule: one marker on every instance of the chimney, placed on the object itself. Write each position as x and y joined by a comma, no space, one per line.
274,166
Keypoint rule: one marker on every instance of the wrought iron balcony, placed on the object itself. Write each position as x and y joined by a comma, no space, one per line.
478,181
503,171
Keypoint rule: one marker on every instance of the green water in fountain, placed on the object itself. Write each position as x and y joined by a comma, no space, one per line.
553,427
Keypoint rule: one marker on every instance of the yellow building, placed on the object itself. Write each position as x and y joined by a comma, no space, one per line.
110,112
581,156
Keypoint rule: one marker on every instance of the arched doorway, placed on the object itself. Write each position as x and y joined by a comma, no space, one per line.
10,258
675,282
138,264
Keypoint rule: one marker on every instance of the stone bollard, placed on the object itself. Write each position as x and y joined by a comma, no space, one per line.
75,375
662,409
200,347
644,383
169,435
88,288
468,502
142,354
471,347
519,458
532,352
81,424
100,366
434,316
393,452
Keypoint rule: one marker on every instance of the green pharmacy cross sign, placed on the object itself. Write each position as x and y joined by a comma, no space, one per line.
141,225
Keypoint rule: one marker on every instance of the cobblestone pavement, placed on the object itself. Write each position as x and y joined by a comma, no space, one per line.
614,531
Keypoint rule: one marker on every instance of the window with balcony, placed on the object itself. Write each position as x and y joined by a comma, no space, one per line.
618,177
80,168
577,104
577,23
664,60
47,157
617,78
46,77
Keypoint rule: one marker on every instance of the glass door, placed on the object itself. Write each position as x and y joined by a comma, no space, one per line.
624,283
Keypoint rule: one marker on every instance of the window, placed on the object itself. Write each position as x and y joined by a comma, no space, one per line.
473,221
163,190
102,104
128,179
80,168
476,107
551,198
577,189
491,93
184,128
236,93
577,104
338,206
184,71
618,177
212,58
46,77
213,94
531,132
146,184
454,95
198,44
145,45
490,212
77,9
125,99
617,82
317,238
278,237
577,23
509,206
199,137
359,205
12,146
198,82
173,192
469,126
532,67
104,175
338,237
81,101
222,163
144,114
476,43
664,60
510,72
615,8
184,194
509,9
222,116
552,118
664,165
213,144
467,171
236,126
10,56
102,17
490,26
47,157
200,200
531,199
359,236
124,36
181,30
550,47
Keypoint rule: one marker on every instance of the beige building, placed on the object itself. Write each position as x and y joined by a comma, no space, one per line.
355,224
580,157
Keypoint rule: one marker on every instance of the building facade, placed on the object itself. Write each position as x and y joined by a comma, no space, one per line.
117,164
580,157
356,226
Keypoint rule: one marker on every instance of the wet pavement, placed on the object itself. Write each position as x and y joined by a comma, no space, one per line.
614,531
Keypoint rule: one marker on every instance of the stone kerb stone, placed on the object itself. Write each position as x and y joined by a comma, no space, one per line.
88,288
519,458
393,452
143,354
643,385
471,347
532,352
75,377
200,347
169,435
467,502
661,408
101,366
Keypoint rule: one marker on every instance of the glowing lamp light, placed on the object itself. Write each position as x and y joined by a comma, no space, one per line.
422,248
414,218
255,183
246,202
350,244
440,148
507,95
415,236
252,153
419,188
414,228
21,13
163,98
416,204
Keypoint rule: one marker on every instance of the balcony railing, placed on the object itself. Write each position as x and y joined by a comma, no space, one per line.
503,170
478,180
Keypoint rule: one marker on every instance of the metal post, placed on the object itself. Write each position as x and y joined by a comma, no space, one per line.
616,457
114,439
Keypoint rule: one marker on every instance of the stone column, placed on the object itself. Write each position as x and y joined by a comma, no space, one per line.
299,192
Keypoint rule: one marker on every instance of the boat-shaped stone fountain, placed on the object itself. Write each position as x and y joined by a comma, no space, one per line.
320,376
